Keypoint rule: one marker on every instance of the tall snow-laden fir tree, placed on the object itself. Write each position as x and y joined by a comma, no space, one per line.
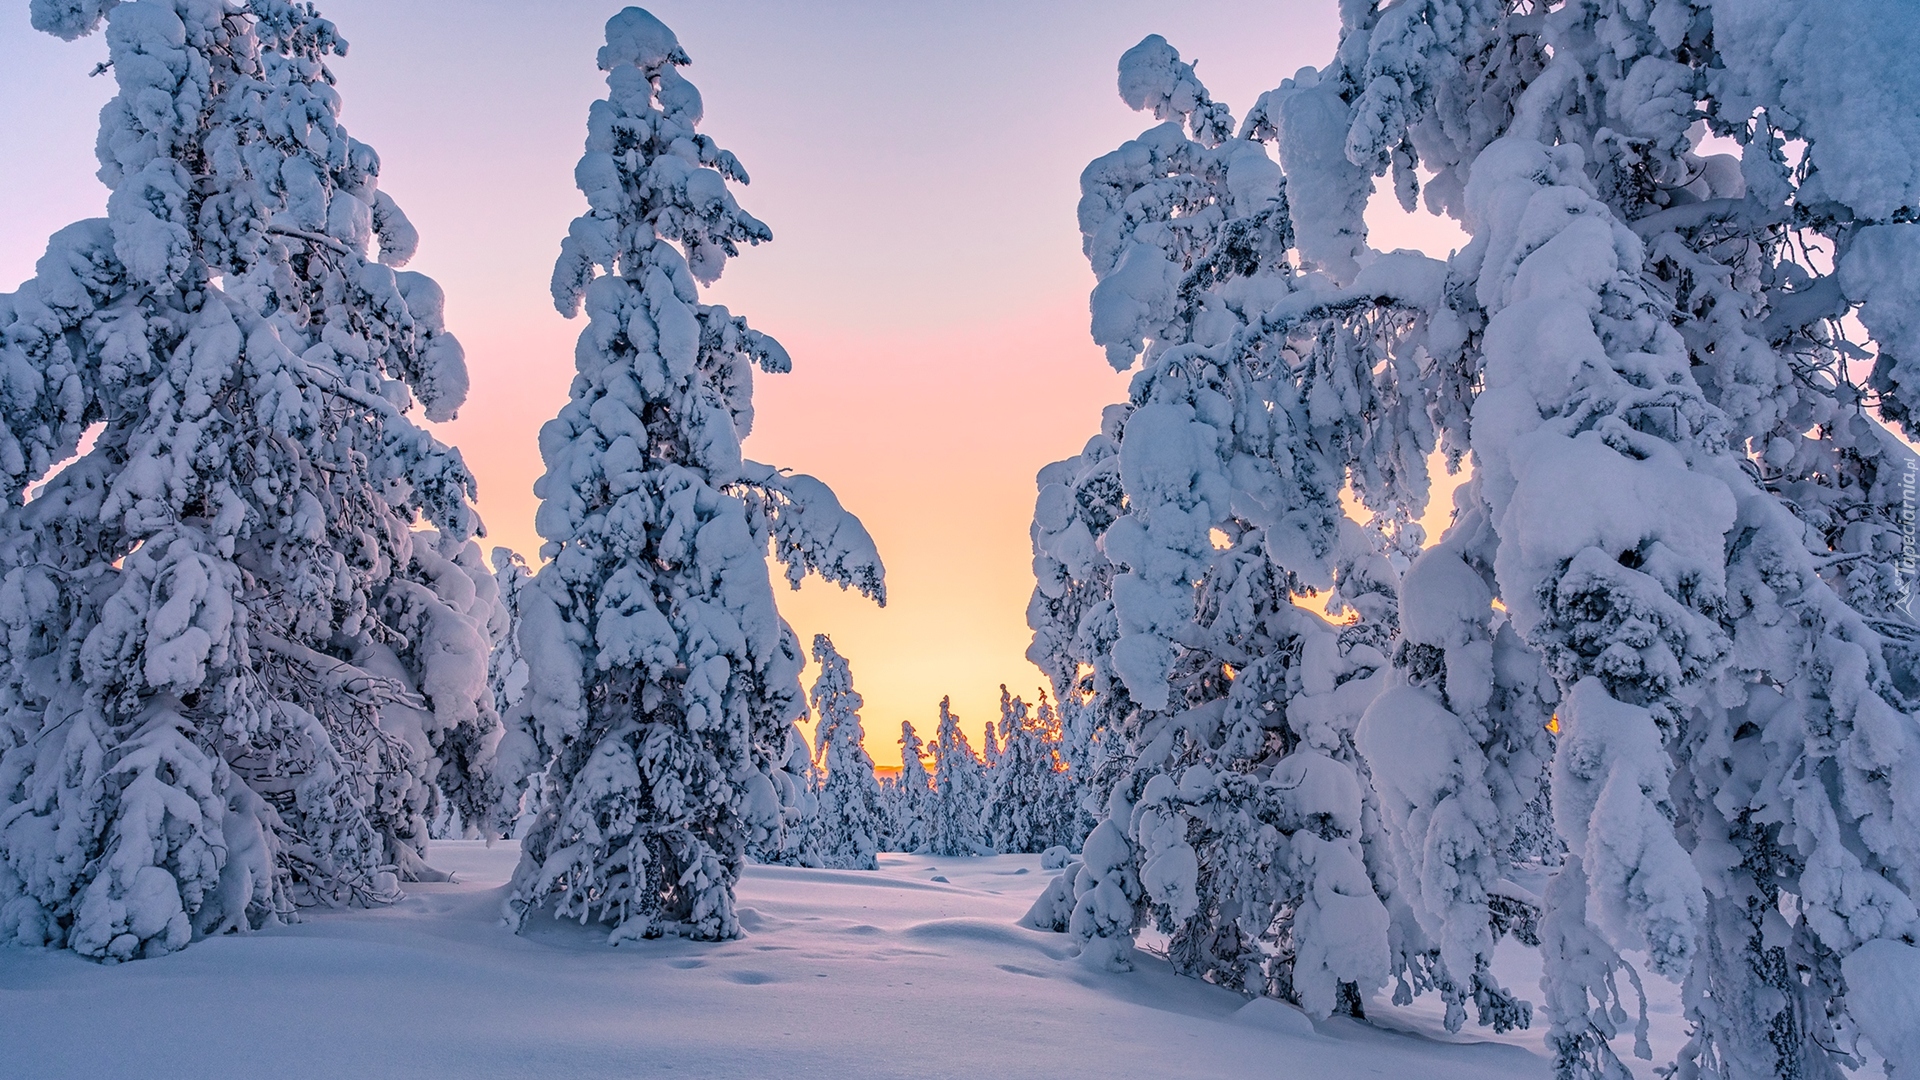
908,795
236,678
663,684
956,805
852,815
1032,801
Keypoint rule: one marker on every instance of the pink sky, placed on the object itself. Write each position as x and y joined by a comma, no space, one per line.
919,166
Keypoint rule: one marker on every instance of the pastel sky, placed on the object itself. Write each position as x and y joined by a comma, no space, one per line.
919,165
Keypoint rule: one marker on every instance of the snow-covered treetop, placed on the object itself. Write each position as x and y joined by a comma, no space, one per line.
653,182
635,37
224,152
835,701
1154,214
648,175
229,167
69,19
1153,79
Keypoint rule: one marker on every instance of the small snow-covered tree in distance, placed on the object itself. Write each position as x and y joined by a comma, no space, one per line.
1032,804
909,794
956,807
507,665
663,684
852,815
792,838
237,677
508,676
1070,611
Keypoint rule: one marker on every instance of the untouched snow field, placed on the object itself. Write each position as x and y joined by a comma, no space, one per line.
842,974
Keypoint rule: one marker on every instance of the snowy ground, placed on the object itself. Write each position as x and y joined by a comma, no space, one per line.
841,974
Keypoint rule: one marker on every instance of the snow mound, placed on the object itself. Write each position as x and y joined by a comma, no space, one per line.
1274,1016
1883,988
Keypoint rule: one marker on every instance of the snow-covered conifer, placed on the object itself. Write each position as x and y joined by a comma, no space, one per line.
1170,553
236,677
515,789
446,617
507,665
956,806
1032,803
663,684
908,794
1071,609
1685,508
851,823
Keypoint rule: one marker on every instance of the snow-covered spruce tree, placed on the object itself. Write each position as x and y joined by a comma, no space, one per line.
852,816
663,684
1032,803
236,678
1067,817
1070,612
507,664
957,802
1693,519
445,621
1282,361
908,795
998,822
507,677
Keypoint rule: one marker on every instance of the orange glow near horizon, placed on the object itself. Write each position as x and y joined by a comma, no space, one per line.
937,456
